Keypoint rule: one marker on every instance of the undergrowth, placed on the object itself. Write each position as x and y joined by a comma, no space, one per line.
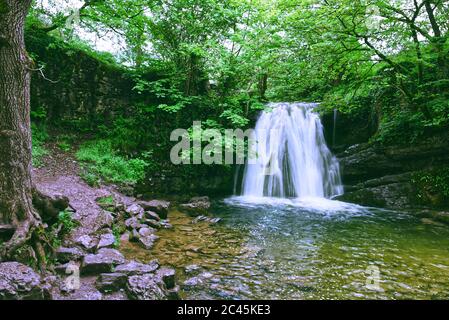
102,163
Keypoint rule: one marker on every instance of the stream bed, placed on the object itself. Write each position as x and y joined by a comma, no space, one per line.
308,249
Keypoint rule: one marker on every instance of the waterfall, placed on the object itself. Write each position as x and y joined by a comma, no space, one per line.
291,158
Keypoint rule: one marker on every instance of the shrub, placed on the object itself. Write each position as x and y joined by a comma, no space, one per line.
102,162
39,136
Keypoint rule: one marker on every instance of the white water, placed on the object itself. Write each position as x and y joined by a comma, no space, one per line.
299,163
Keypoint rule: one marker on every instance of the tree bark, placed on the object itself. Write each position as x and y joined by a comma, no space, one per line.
16,207
433,21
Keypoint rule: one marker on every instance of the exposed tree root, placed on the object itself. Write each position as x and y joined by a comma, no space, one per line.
20,237
31,231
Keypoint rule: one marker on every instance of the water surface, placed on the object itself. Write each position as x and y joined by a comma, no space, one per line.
309,249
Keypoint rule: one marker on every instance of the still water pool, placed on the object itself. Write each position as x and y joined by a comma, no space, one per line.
309,249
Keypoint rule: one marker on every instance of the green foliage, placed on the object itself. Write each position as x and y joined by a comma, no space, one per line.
39,114
433,186
109,200
66,220
402,127
220,61
39,136
62,227
117,231
102,162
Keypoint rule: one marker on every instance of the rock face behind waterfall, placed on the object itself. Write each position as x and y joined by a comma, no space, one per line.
389,176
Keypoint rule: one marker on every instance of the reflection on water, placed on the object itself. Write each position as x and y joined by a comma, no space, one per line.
304,250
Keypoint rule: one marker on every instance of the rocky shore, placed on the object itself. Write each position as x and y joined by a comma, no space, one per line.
88,264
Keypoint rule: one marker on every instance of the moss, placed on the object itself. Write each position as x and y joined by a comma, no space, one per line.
433,186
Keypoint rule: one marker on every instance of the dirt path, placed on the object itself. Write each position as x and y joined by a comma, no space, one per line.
59,175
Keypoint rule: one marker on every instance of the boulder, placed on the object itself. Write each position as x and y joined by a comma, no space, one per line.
111,282
64,255
134,210
159,206
106,241
132,223
145,232
192,282
148,241
196,206
65,269
20,282
152,223
152,215
206,219
136,268
392,191
144,287
165,224
87,242
105,220
102,262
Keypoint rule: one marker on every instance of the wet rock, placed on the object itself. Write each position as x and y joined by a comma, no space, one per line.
167,275
165,224
106,241
136,268
199,199
102,262
159,206
152,215
152,223
192,282
145,232
134,210
64,255
196,206
20,282
438,216
192,269
144,287
385,192
148,241
383,175
206,219
431,222
111,282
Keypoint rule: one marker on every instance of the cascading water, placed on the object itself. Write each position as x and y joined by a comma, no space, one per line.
292,159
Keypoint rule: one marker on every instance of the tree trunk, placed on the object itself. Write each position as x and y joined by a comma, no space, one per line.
433,21
16,207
